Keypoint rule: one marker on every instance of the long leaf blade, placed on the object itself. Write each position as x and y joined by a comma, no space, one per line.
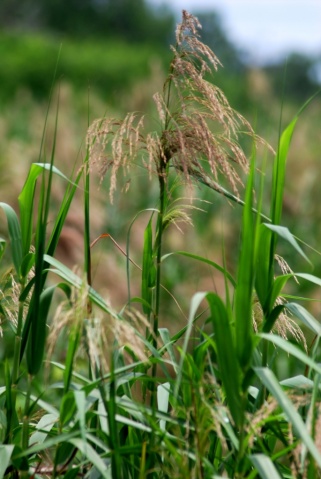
301,313
264,466
26,200
37,339
285,233
5,456
291,349
271,383
147,269
245,278
226,355
14,235
203,260
279,172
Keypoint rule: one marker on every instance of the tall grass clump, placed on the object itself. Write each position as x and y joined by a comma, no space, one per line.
91,391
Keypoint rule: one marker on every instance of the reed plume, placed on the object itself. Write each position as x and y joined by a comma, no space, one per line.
199,133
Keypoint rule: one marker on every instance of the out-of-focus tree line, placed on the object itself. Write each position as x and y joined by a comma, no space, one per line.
132,22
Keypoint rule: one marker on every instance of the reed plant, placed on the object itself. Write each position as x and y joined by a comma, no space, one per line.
128,399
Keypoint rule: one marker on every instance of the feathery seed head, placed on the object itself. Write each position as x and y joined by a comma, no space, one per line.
284,325
200,130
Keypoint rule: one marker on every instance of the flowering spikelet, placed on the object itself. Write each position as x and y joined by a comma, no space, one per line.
284,325
199,135
256,421
9,298
10,291
72,316
124,140
97,335
200,126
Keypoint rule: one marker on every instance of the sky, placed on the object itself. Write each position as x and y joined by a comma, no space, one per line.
267,29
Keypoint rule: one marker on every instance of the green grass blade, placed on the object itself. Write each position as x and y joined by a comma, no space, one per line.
46,406
148,269
195,303
272,317
301,313
277,288
268,240
34,320
5,457
291,349
284,233
279,168
226,355
70,277
245,278
163,391
271,383
73,343
279,172
73,473
14,235
62,214
43,428
280,163
11,415
48,443
37,340
87,249
152,210
264,266
27,263
281,281
298,382
309,277
93,457
168,345
40,303
110,405
312,425
80,400
26,201
203,260
3,245
63,286
67,408
264,466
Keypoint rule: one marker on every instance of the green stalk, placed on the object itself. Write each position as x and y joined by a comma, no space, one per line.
25,425
87,220
16,360
87,229
18,339
162,195
241,453
162,173
262,396
110,405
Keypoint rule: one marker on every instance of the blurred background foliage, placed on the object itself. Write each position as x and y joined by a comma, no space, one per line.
119,51
107,43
